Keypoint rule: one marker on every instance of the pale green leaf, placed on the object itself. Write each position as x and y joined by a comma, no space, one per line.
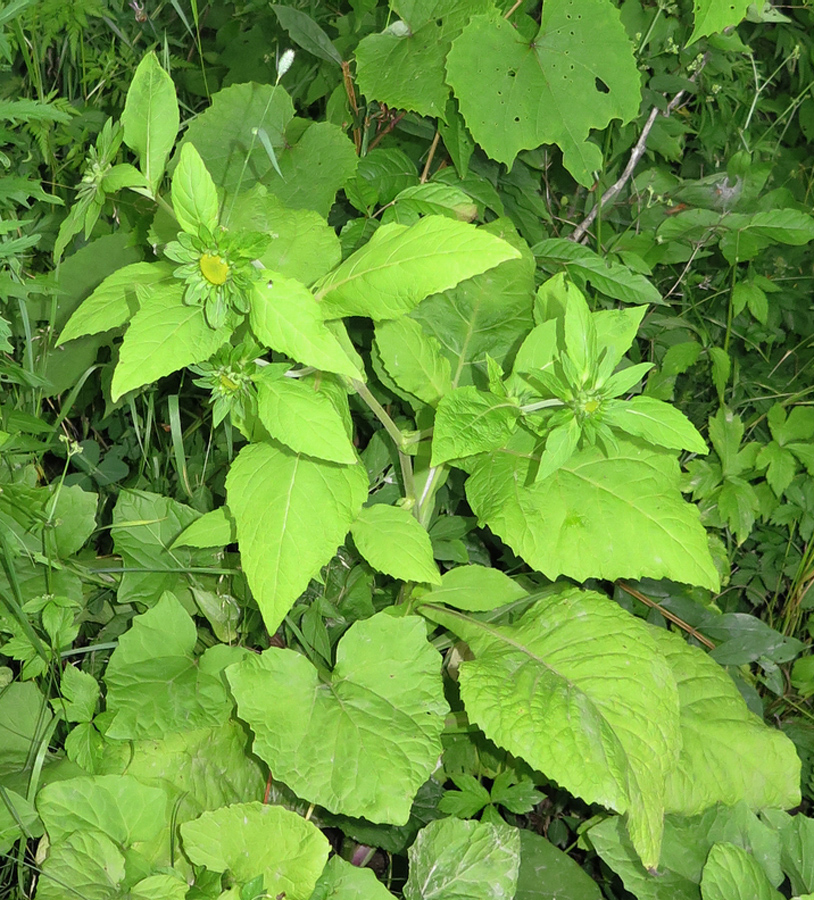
213,529
579,667
413,359
80,694
392,541
727,753
160,887
285,316
150,118
251,839
607,516
656,422
552,90
469,421
453,859
733,874
291,512
304,419
194,198
86,864
341,880
546,873
475,588
401,266
371,736
164,336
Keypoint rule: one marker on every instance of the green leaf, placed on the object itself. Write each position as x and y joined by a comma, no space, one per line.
608,516
733,874
71,512
561,444
151,118
194,198
656,422
372,734
552,90
469,421
304,419
16,811
213,529
780,465
413,359
475,588
80,693
747,293
340,880
164,336
160,887
547,873
297,508
86,864
305,32
114,302
467,801
401,266
464,860
578,666
712,16
431,200
392,541
24,721
285,316
250,839
727,753
380,177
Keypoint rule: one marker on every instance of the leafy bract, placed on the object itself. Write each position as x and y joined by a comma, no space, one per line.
371,736
392,541
251,839
291,512
150,118
284,315
552,90
727,753
164,335
578,667
401,266
611,516
194,198
733,874
475,588
469,421
453,859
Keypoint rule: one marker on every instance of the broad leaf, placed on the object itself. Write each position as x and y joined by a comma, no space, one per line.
213,529
285,316
475,588
453,859
86,864
371,737
577,666
194,198
712,16
303,30
620,515
251,839
401,266
392,541
733,874
413,359
547,873
291,512
469,421
551,90
341,880
150,118
164,336
655,421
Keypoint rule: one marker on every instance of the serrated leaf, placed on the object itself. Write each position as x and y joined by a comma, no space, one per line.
401,266
609,516
733,874
656,422
469,421
780,464
727,753
164,336
578,666
194,198
304,419
552,90
150,118
475,588
285,316
413,359
213,529
250,839
291,512
392,541
372,734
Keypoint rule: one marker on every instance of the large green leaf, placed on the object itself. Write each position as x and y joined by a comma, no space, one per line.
469,421
291,512
401,266
712,16
194,198
370,736
608,516
251,839
150,118
578,667
164,336
286,317
453,859
551,90
342,881
727,753
392,541
733,874
547,873
413,359
86,864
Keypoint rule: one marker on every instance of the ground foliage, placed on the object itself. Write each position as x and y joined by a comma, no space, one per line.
406,450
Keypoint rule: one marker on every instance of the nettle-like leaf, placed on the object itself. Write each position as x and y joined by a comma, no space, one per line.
400,266
371,737
291,512
613,515
392,541
469,421
578,666
516,94
194,198
251,839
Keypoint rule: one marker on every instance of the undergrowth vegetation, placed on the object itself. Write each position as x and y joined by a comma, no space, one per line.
406,450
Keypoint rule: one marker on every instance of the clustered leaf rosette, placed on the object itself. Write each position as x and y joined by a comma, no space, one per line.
219,271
